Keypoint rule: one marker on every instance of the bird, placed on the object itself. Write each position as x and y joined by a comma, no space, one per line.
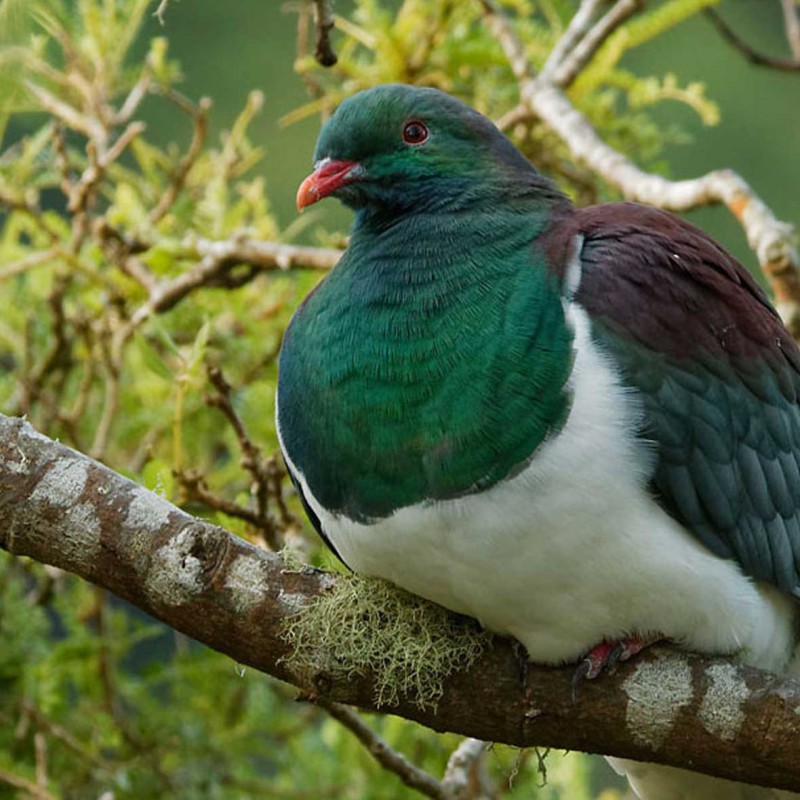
579,426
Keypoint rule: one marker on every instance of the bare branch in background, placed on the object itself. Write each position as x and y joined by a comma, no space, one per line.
773,240
61,508
578,56
161,10
221,264
410,774
90,127
577,29
464,776
177,181
134,98
267,475
324,22
752,55
31,789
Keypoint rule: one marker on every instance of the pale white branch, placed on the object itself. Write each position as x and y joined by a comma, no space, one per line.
464,772
578,56
89,126
577,29
218,259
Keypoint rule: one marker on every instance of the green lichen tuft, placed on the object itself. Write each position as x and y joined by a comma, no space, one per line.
369,626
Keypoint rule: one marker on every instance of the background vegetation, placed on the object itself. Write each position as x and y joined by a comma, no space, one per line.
115,178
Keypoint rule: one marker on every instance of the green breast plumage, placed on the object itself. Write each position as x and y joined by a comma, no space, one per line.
419,372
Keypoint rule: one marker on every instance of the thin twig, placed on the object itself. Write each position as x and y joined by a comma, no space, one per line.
40,751
267,477
18,782
63,735
513,47
178,179
71,117
582,53
411,775
58,358
111,349
324,22
219,260
27,206
134,98
122,250
27,262
194,486
578,27
98,164
514,117
161,10
753,56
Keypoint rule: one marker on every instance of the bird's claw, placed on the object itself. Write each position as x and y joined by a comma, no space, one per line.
606,656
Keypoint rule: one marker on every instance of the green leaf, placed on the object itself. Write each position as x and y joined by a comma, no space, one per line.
152,360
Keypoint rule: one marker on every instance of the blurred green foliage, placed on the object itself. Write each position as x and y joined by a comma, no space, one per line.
100,220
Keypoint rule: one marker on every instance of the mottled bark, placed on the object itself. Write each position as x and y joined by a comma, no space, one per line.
61,508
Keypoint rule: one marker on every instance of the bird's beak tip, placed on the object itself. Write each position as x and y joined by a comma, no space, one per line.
328,176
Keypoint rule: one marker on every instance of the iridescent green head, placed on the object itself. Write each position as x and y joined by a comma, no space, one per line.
404,148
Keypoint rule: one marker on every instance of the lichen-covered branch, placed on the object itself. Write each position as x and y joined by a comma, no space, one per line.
773,240
61,508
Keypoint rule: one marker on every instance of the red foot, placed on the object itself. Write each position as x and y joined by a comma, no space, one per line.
606,656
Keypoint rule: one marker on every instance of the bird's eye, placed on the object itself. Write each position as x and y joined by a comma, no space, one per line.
415,132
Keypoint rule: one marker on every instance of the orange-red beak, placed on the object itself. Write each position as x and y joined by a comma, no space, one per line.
329,176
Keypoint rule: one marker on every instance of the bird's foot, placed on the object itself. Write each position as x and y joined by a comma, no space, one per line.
607,655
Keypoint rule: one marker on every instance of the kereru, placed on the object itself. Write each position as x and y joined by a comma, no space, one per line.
579,426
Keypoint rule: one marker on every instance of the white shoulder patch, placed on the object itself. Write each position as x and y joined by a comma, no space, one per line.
572,275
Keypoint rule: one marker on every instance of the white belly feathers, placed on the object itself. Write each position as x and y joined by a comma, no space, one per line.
572,549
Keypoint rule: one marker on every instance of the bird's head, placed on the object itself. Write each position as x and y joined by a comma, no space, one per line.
402,148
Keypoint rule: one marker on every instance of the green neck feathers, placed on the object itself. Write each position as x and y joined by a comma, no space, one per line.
430,364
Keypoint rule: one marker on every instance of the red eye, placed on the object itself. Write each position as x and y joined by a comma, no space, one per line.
415,132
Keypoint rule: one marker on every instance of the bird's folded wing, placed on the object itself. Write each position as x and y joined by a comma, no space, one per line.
717,374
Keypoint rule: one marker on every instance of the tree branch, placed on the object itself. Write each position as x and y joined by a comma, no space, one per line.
160,11
324,22
773,240
218,260
61,508
411,775
577,57
753,56
578,27
464,769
